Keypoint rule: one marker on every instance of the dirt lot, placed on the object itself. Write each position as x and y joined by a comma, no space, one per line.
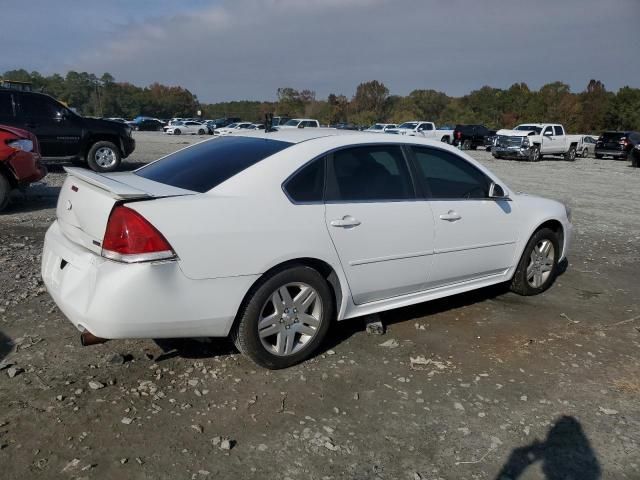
507,386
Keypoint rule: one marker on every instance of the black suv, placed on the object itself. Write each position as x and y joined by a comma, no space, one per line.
63,133
470,137
616,144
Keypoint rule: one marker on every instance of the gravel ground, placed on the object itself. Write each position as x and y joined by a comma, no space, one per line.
478,386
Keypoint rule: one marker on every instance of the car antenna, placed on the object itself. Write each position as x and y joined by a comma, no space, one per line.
268,122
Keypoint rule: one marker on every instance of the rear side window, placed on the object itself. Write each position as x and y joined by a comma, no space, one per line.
446,175
307,184
39,106
6,105
371,173
206,165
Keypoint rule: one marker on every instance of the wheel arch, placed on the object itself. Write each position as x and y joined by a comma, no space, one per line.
554,225
325,269
9,174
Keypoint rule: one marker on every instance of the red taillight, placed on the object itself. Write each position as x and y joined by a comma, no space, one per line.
458,135
131,238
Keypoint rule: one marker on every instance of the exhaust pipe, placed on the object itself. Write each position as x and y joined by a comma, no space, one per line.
87,338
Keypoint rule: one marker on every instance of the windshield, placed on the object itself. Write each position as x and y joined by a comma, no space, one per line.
529,128
205,165
409,125
233,125
292,123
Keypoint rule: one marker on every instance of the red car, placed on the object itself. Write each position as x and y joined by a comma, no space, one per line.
19,161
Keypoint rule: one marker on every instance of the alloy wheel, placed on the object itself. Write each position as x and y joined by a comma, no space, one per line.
541,263
105,157
290,319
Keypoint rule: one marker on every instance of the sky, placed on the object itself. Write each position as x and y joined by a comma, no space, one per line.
225,50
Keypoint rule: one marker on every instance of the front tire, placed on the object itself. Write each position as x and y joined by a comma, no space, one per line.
538,266
103,157
177,131
285,318
5,191
534,154
201,132
466,145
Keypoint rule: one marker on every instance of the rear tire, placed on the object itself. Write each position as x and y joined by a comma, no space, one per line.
260,306
103,157
585,153
570,156
5,191
599,157
537,269
466,145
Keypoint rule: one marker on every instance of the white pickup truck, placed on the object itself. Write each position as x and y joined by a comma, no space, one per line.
531,141
418,128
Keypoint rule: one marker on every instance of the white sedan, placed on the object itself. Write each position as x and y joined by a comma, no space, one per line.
380,127
187,127
270,237
233,128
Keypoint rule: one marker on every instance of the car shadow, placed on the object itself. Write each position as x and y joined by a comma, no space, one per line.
566,453
194,348
38,196
340,331
6,346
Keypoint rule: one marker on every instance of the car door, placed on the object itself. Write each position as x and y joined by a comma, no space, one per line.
475,235
546,142
58,131
383,235
7,110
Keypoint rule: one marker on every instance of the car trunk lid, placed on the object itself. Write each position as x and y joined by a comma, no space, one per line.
87,198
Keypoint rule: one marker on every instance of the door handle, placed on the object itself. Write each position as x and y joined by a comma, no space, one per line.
345,222
450,216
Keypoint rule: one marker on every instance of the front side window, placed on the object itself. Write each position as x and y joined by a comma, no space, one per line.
408,125
446,175
558,130
426,126
369,173
548,131
307,184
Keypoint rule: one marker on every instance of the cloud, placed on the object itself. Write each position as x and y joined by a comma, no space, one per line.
246,49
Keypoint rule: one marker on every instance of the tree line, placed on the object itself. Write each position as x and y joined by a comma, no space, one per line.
589,111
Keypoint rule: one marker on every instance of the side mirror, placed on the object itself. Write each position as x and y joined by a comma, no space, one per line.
301,125
497,192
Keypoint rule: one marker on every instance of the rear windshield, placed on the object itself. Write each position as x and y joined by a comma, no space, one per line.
206,165
612,135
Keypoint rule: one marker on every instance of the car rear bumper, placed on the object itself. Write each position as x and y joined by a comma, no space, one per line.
145,300
611,153
27,167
